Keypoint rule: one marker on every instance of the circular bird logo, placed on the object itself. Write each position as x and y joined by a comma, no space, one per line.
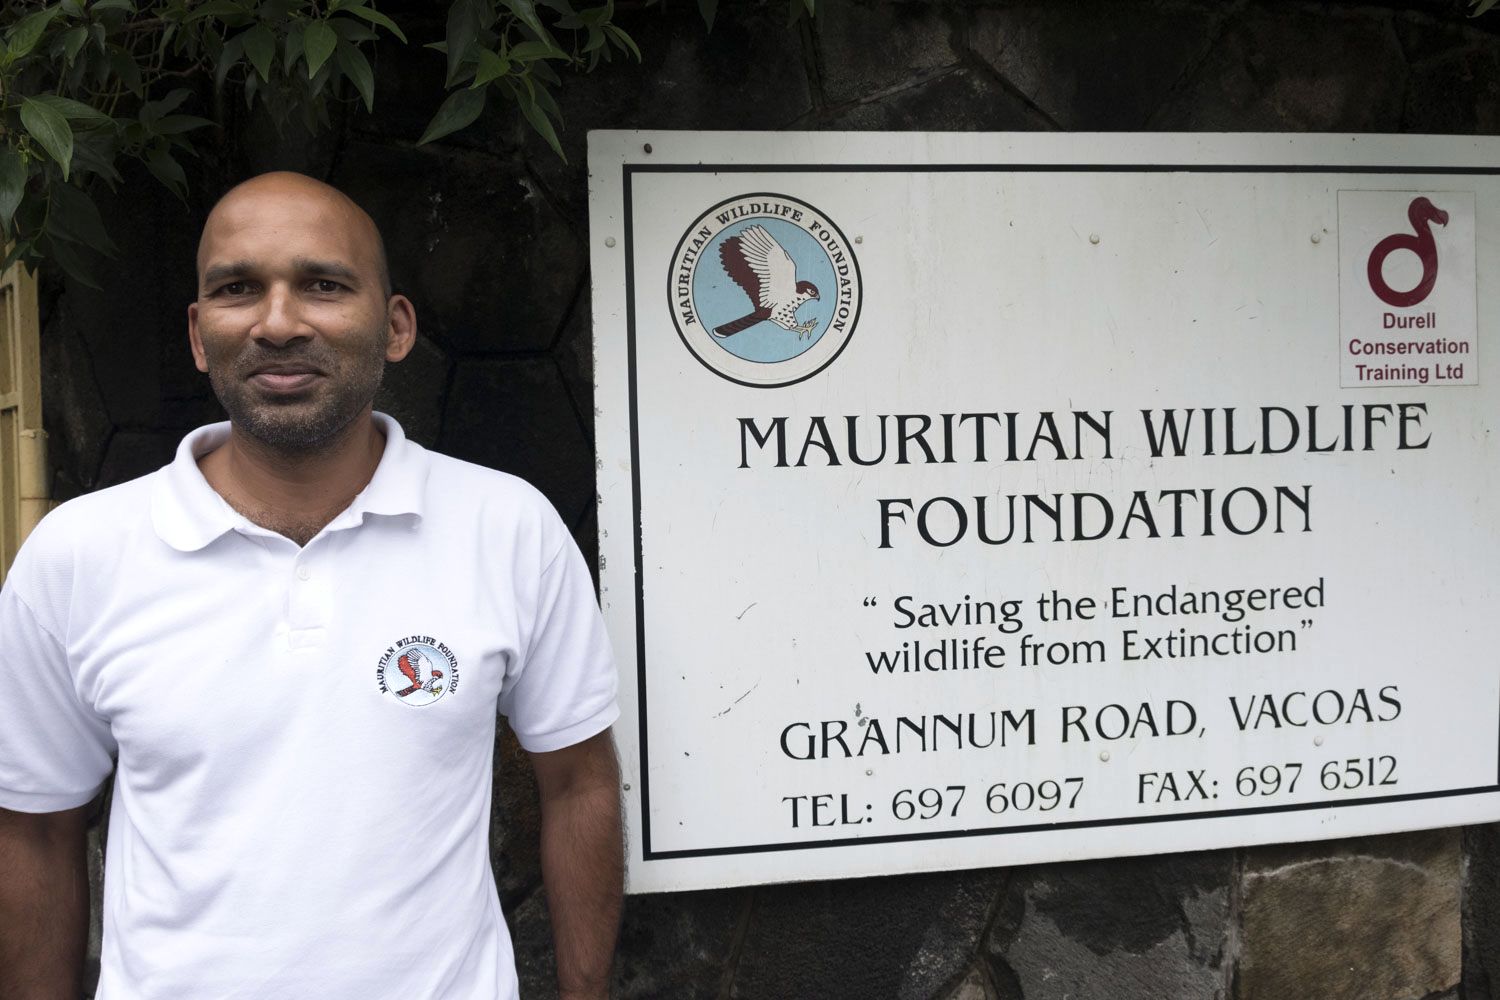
765,290
417,671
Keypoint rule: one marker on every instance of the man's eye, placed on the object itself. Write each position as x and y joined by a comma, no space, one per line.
327,285
235,288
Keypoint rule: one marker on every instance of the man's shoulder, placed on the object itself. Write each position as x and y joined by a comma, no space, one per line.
476,497
95,517
481,484
79,539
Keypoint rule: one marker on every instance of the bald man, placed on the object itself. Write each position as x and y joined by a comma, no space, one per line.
289,647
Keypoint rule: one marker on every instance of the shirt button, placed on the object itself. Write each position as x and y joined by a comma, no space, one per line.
303,573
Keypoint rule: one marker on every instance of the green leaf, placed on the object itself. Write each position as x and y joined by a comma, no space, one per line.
525,11
809,4
50,129
293,50
626,43
228,56
177,124
375,17
708,8
463,29
1481,6
260,48
532,51
126,5
215,8
122,63
458,111
491,67
12,185
73,41
23,249
94,152
356,68
319,43
74,110
171,102
539,121
73,216
56,251
167,170
26,32
351,30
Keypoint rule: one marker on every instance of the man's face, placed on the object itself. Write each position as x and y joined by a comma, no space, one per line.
291,323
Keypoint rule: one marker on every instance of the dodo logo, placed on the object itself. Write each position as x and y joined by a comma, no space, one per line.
1422,213
764,290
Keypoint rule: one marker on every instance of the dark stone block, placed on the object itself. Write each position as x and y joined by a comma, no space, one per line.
748,73
1276,68
957,101
488,263
1375,918
586,535
677,944
1482,913
516,416
1092,66
133,454
145,290
408,78
867,49
1125,929
1458,92
72,408
531,937
905,937
415,391
515,822
672,946
575,356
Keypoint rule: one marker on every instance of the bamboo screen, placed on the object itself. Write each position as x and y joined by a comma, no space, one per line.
23,445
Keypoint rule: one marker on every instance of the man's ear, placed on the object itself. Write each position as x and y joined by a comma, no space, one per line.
195,341
401,327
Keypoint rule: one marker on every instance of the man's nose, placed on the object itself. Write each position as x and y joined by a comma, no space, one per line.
280,320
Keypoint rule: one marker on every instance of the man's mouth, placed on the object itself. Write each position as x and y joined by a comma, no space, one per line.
284,377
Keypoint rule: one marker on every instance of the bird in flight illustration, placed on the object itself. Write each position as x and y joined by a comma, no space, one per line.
767,273
410,664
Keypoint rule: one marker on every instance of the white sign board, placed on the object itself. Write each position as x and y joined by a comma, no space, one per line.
973,500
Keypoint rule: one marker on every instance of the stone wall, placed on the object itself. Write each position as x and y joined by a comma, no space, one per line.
488,232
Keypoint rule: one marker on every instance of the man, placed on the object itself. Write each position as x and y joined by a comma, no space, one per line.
294,639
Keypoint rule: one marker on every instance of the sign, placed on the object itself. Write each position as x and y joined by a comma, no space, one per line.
974,500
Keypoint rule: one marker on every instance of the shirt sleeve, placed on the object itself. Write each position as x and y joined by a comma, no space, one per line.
563,690
55,752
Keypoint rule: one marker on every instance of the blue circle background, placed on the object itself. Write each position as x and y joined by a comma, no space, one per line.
719,300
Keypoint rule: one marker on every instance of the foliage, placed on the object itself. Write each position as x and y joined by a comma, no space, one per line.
85,83
1480,6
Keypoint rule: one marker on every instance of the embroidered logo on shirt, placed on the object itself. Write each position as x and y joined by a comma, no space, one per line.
417,670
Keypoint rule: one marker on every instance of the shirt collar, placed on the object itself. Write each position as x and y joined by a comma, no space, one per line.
188,514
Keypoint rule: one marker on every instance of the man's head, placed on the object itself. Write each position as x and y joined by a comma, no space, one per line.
294,319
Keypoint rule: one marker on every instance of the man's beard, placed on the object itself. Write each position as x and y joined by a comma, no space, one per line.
298,425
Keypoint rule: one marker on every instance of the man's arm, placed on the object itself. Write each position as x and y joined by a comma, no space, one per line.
583,864
44,904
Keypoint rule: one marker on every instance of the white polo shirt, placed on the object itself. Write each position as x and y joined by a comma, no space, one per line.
304,735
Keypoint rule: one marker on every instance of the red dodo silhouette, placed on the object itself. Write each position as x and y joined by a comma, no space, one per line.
1421,213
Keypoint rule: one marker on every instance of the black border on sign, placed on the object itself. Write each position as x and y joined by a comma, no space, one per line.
628,170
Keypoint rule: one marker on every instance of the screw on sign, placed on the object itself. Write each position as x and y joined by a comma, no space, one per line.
1422,214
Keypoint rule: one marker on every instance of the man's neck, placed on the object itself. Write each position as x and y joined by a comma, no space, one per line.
294,494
